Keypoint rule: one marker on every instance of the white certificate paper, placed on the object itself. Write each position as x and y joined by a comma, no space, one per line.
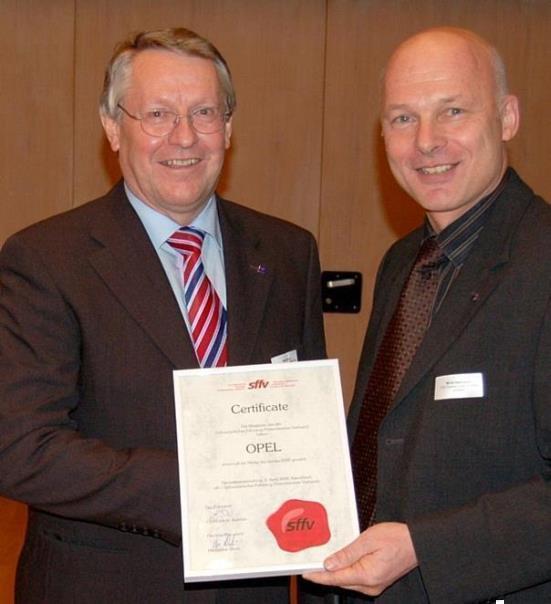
265,478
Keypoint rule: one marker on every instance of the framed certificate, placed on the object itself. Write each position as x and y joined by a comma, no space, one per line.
265,477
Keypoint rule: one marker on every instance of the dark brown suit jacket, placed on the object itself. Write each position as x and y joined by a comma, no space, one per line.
90,333
472,477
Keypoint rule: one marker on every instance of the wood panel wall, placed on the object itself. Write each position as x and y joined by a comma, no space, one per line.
306,143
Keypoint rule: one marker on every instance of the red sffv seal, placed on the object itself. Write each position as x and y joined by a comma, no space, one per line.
299,524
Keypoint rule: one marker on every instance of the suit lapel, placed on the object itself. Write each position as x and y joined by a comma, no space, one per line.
131,269
248,279
481,274
466,298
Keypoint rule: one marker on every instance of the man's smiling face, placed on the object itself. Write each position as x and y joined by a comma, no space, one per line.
176,173
444,123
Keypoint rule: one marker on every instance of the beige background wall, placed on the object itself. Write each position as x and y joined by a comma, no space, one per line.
306,140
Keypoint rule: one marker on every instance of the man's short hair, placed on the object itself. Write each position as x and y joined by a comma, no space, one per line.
178,40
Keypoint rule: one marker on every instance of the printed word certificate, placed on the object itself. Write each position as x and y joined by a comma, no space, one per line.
265,477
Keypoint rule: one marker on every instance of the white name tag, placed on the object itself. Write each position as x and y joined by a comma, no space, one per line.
459,385
287,357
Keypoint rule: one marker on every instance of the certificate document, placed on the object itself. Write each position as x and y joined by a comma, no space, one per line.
265,477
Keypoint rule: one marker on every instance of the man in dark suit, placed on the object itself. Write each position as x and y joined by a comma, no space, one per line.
93,321
463,449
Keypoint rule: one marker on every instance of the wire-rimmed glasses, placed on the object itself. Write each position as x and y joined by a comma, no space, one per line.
160,122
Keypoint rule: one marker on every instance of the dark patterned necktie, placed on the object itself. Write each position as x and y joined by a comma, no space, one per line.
206,313
400,342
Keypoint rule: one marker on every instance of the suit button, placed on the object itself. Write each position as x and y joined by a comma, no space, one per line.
391,442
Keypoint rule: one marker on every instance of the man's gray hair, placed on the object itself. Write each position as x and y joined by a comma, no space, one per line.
179,40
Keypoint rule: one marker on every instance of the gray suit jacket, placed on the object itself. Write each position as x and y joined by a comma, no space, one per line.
472,477
90,333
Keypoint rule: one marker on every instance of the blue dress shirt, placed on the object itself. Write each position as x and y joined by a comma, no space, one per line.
160,227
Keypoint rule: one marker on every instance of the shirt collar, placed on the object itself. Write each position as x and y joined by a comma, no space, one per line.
457,239
160,227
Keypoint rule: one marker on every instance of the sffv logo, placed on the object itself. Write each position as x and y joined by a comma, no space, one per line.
258,384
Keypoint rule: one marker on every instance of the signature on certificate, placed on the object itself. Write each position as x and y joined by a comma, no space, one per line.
220,542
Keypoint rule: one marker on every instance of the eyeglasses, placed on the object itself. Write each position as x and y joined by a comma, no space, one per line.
160,122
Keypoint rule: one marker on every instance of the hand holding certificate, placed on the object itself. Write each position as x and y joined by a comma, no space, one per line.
266,485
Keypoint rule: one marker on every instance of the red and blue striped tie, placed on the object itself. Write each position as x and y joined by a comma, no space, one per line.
206,313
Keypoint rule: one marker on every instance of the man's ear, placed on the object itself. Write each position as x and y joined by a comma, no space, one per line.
510,117
112,130
227,132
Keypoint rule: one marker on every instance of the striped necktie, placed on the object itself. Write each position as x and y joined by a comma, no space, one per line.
206,313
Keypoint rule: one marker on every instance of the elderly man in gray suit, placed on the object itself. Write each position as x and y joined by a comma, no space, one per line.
99,305
451,416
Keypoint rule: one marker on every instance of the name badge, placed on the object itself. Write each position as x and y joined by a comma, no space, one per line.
287,357
459,385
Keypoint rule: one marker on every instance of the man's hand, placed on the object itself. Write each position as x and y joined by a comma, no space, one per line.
376,559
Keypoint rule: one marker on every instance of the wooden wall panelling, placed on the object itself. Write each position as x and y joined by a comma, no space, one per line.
275,50
522,31
362,209
13,519
36,111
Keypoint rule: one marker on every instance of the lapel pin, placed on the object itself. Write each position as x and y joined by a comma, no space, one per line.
475,296
260,268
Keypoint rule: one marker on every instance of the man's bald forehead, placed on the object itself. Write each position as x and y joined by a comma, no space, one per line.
448,32
435,39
